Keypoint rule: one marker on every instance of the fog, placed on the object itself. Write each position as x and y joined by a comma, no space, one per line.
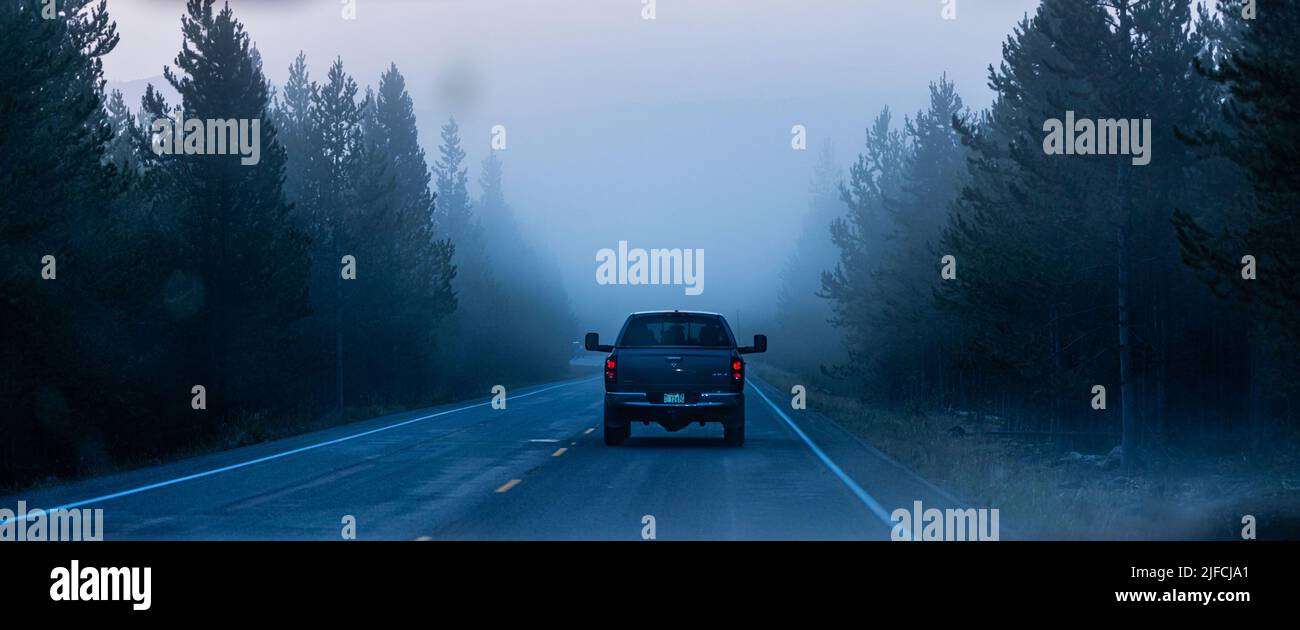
665,133
1052,334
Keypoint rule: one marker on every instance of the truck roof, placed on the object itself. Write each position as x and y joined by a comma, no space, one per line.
668,312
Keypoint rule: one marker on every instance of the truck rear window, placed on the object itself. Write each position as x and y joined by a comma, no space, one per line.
675,330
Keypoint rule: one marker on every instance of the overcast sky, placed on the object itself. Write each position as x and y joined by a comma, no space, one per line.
672,132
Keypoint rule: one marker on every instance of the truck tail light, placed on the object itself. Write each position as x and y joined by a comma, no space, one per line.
611,369
737,370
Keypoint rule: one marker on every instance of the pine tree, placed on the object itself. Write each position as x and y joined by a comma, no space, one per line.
453,216
52,126
57,195
293,117
858,235
428,250
122,148
328,197
241,251
471,333
911,359
541,341
800,313
1048,245
1259,132
399,306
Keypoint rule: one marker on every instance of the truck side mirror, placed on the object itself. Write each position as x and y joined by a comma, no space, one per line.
592,343
760,345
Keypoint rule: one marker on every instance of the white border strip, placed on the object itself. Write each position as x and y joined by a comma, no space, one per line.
865,496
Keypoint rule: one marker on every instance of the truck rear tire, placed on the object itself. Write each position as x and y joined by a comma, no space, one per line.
615,435
734,436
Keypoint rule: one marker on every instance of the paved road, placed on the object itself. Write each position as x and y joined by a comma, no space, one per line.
535,470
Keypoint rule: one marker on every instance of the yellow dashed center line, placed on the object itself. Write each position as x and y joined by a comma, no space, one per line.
505,487
559,451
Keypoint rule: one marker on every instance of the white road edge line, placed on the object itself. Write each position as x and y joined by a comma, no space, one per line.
259,460
865,496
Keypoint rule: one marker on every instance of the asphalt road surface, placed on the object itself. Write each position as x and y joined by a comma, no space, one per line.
535,470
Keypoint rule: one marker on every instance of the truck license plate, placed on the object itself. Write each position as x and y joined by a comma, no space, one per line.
675,398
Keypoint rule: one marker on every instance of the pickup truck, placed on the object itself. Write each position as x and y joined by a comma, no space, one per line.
674,368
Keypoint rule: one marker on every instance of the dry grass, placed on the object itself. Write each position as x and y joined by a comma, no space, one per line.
1044,493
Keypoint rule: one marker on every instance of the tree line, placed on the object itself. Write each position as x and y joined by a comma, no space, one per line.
977,270
342,272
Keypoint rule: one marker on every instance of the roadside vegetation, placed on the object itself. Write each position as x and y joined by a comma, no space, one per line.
1104,343
162,298
1049,489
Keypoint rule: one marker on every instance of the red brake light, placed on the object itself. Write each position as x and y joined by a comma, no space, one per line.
737,370
611,369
